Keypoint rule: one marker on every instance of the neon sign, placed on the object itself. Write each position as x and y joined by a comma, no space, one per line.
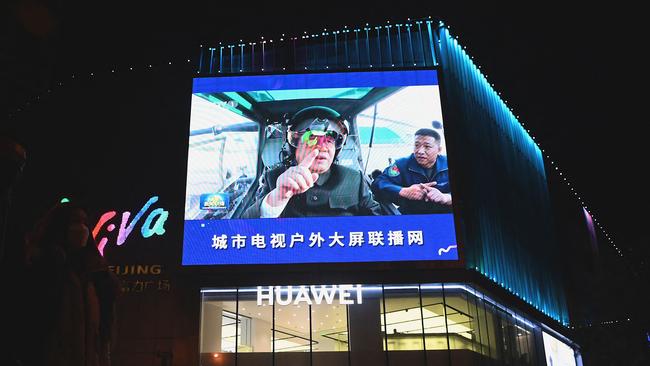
309,295
153,224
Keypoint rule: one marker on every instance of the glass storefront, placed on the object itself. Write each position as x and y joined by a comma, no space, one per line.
416,324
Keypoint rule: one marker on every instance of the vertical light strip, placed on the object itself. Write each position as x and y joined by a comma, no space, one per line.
512,247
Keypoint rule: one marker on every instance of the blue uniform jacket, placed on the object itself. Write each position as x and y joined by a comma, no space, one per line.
406,172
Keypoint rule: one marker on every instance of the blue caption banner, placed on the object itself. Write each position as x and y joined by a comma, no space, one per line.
312,81
321,240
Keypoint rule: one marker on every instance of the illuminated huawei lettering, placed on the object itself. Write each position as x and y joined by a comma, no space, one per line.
347,295
153,224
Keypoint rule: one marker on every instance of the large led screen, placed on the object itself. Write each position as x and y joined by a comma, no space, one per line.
317,168
557,352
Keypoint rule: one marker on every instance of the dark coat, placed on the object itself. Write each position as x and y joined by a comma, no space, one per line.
341,191
79,313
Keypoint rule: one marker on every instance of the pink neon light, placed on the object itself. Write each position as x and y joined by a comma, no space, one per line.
160,215
102,220
101,245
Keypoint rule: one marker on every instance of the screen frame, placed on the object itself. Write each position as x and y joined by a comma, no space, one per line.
344,267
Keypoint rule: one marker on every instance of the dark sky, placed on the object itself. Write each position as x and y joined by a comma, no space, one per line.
577,80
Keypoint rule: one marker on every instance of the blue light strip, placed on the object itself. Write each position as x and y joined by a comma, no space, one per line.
371,47
513,248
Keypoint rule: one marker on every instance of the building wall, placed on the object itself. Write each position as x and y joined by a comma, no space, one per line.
504,215
500,189
140,154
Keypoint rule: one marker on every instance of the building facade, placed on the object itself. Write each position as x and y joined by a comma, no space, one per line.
477,284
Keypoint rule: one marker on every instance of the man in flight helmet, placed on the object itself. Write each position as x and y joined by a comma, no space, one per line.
312,184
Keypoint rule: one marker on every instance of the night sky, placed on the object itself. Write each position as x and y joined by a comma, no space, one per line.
577,80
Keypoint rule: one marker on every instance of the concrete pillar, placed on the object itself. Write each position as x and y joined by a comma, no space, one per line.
366,341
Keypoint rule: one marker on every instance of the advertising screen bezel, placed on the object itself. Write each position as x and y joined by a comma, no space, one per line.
347,266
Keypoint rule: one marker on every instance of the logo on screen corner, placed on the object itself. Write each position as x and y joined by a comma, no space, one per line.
446,250
214,201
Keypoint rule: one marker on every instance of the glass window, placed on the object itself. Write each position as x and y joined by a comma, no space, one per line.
329,328
219,325
529,336
460,323
434,318
231,330
481,324
429,324
291,336
291,332
402,318
496,351
329,333
436,342
256,343
505,337
521,335
519,339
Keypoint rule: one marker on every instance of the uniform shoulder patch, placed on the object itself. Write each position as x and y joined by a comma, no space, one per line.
393,171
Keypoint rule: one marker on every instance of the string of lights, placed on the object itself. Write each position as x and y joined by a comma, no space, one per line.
555,168
603,323
66,81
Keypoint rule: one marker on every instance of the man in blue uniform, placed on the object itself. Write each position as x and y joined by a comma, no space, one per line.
419,183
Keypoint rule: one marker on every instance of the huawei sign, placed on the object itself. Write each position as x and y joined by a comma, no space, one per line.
285,295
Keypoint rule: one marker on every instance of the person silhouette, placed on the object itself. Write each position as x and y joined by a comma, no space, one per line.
75,322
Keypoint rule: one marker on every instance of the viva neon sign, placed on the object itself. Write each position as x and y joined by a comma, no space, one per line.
153,224
286,295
